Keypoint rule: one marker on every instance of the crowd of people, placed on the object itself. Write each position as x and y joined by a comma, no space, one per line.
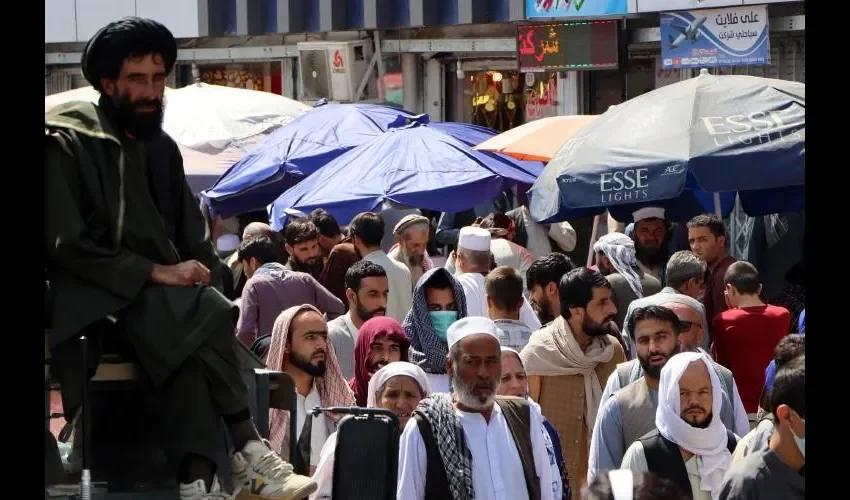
660,372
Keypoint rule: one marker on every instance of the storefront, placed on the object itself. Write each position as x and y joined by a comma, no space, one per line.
261,76
494,99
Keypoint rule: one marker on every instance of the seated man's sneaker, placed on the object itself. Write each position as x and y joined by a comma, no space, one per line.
262,475
198,491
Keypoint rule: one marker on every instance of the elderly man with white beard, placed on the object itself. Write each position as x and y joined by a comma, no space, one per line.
471,443
411,245
690,445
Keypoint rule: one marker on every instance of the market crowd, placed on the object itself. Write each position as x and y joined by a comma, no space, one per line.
668,369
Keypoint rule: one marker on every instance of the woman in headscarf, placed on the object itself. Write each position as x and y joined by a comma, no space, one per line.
515,383
438,301
380,341
332,387
398,387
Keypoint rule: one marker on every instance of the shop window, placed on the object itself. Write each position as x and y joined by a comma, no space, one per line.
494,99
265,77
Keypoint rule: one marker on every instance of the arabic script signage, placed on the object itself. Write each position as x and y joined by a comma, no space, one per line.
545,9
732,36
542,101
583,45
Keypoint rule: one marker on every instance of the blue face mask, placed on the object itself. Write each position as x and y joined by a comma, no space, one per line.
441,321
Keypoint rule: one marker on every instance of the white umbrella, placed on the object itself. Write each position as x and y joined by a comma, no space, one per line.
203,116
213,125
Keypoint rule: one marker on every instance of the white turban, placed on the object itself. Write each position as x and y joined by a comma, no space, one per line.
394,369
620,250
709,445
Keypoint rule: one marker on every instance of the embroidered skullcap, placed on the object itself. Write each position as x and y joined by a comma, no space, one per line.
409,220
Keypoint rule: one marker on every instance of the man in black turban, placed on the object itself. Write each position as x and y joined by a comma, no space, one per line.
127,240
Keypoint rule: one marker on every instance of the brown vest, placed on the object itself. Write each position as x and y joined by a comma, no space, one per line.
637,413
561,399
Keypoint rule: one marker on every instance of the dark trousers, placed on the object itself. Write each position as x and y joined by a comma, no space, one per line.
206,386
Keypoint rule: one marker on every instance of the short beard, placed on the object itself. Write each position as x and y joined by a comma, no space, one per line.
365,315
141,126
701,425
544,312
464,396
313,267
600,330
304,364
655,371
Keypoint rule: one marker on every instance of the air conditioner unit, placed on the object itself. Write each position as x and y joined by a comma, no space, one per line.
333,70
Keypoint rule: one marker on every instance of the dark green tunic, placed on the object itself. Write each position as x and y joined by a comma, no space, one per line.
104,233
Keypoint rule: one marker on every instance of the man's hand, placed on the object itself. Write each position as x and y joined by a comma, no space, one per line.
183,274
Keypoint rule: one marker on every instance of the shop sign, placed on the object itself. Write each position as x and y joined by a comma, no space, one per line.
542,104
730,36
567,46
338,62
546,9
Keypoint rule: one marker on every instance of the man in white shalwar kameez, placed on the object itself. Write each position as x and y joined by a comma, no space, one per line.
461,445
473,263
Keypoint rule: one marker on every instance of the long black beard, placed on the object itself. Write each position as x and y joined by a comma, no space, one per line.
123,112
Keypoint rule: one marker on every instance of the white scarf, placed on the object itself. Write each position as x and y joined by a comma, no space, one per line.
709,444
620,250
554,351
395,369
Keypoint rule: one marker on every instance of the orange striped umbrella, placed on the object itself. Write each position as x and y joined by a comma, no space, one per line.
538,140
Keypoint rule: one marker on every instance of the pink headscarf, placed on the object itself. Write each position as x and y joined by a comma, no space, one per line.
332,387
377,326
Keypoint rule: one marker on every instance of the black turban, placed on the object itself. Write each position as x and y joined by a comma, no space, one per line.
108,48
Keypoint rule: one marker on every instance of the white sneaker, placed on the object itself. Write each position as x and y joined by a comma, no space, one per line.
198,491
262,475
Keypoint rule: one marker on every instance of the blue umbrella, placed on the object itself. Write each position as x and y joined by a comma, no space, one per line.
297,150
415,165
309,142
688,147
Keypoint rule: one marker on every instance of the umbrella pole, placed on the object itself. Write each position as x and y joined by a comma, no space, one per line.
592,240
717,208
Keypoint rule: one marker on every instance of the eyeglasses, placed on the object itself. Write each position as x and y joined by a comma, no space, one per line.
686,326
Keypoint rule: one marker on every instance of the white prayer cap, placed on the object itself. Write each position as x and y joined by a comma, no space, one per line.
474,238
227,243
470,325
648,213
